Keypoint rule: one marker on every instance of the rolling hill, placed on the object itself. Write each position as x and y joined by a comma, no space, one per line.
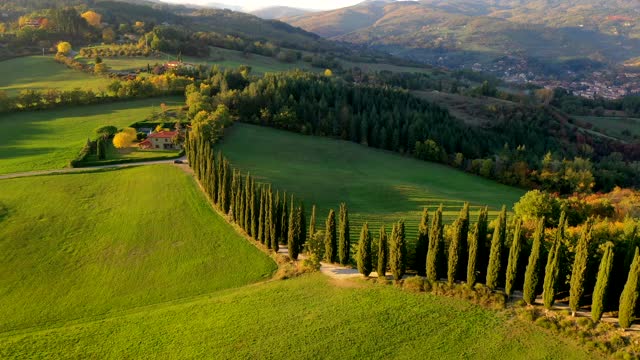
277,12
486,30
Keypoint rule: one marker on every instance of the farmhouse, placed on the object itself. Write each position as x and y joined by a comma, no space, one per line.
160,141
179,65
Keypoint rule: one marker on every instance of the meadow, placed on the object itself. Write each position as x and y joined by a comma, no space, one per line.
623,128
45,140
96,244
304,318
378,186
41,73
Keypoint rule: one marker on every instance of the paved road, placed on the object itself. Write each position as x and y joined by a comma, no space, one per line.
84,169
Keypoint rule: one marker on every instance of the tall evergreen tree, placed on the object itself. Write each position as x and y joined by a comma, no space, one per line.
436,247
330,238
552,270
478,237
514,257
312,222
284,220
254,210
268,218
302,227
398,251
629,297
458,245
260,236
599,299
344,247
533,266
247,204
365,265
292,243
422,244
579,272
383,253
275,222
495,255
273,240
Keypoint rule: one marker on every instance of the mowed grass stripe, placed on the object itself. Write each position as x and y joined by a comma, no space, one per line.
378,186
92,244
48,140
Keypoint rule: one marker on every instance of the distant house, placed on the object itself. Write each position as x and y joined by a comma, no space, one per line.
160,141
179,65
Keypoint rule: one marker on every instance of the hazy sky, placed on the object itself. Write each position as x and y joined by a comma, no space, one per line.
257,4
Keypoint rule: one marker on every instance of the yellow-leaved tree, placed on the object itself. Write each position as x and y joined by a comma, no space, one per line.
125,138
64,48
93,18
328,73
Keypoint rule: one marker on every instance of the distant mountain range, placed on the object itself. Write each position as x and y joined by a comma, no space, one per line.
279,12
468,31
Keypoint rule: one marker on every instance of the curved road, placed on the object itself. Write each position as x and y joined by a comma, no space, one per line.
85,169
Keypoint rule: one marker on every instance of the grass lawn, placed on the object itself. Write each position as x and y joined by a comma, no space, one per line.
627,129
44,140
84,245
42,72
303,318
378,186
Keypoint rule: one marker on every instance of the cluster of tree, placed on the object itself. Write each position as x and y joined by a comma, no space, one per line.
117,50
578,105
270,217
549,153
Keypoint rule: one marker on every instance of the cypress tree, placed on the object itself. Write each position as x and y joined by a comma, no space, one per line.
499,235
101,153
219,179
254,210
330,246
514,256
552,269
598,302
477,238
214,177
344,245
364,251
284,220
268,218
383,253
226,188
233,205
260,236
422,244
302,227
579,272
436,246
275,223
397,251
312,222
272,239
293,232
247,204
629,297
533,267
458,245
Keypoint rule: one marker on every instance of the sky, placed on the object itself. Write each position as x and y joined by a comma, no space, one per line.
258,4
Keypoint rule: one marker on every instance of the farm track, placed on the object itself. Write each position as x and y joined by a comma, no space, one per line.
85,169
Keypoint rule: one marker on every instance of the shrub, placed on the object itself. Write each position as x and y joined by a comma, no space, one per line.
414,284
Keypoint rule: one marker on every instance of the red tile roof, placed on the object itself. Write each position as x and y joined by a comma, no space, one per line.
162,135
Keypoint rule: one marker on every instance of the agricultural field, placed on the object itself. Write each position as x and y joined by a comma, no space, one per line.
623,128
311,316
41,73
45,140
78,246
378,186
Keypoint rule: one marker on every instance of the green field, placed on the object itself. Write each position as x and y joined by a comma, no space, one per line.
41,73
303,318
627,129
45,140
84,245
378,186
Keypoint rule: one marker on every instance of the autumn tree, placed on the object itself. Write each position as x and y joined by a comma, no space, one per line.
125,138
64,48
93,18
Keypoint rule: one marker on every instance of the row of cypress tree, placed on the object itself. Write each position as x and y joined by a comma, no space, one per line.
272,218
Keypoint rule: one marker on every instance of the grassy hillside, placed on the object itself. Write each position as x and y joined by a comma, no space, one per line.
47,140
378,186
311,317
83,245
42,72
627,129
